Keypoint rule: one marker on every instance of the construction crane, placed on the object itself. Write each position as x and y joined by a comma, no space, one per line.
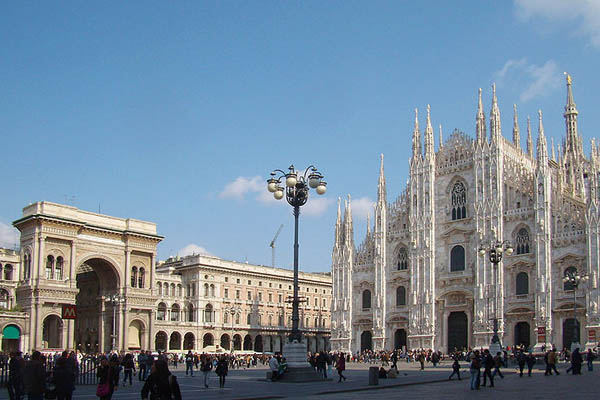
273,245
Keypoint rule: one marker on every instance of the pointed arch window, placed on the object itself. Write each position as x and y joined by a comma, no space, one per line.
522,241
522,283
49,267
400,296
459,201
134,272
457,259
58,269
402,259
366,299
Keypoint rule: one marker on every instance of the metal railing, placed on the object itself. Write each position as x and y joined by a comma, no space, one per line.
86,371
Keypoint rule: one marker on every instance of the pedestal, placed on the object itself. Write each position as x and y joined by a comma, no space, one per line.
299,370
495,347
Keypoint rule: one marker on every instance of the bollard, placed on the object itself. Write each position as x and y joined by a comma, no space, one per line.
373,376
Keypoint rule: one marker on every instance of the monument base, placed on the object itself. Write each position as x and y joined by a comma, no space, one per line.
299,370
495,347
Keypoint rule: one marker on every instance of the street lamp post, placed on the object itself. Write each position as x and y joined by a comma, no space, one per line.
495,250
296,193
297,187
575,278
233,310
115,299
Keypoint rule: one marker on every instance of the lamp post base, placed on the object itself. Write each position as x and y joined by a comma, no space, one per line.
495,347
299,370
575,345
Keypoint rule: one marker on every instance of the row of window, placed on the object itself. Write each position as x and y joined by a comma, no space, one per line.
208,315
138,277
54,268
521,288
457,253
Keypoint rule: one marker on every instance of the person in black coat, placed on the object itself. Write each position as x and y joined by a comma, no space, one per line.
161,384
108,373
64,379
35,377
576,361
221,370
530,362
488,364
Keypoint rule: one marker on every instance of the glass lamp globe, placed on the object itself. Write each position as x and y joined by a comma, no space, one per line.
313,181
278,194
272,185
509,251
322,188
482,252
499,250
290,180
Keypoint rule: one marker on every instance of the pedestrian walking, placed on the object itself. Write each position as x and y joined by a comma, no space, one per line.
15,384
530,363
551,358
340,366
221,371
161,384
498,362
34,376
455,369
589,358
206,366
521,362
576,361
189,363
128,368
64,379
488,364
475,369
108,378
141,359
274,367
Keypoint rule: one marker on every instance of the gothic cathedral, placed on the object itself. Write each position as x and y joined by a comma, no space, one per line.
418,281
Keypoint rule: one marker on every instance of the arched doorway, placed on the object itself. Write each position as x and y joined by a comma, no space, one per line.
237,342
248,342
52,332
11,338
160,342
522,334
225,341
366,341
96,279
258,344
135,335
208,340
571,331
175,341
458,335
399,339
189,341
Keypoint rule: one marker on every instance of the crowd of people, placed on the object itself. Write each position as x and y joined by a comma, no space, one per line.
54,375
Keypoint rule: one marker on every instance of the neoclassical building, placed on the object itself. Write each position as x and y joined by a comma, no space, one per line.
91,281
417,279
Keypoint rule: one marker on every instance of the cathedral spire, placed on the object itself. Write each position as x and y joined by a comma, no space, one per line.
368,223
480,122
441,138
381,190
495,128
553,152
416,144
542,145
529,139
516,133
572,143
338,225
348,225
429,144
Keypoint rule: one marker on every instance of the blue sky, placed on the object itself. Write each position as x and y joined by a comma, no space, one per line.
176,112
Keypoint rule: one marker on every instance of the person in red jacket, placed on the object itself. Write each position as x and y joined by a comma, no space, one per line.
340,365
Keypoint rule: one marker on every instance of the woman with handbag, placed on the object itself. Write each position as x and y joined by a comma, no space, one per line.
108,379
161,384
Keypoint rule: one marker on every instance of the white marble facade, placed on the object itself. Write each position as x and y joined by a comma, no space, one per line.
417,279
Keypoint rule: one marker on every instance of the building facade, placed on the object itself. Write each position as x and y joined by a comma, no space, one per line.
418,280
90,281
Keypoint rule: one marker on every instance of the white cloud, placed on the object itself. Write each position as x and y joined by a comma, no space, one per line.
583,16
316,206
242,185
8,236
191,249
362,207
529,79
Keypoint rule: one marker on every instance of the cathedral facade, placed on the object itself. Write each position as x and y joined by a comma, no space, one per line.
418,280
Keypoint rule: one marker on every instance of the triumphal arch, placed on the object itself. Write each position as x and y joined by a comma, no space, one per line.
103,266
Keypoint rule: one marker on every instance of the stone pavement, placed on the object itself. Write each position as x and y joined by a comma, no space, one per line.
431,384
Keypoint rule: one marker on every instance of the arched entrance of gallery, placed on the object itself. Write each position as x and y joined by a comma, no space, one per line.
458,334
96,277
399,339
366,341
11,339
52,332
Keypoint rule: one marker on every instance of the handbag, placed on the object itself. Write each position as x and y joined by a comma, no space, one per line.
103,389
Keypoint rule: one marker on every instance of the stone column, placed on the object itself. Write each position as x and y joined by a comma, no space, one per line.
101,316
150,331
41,262
120,324
127,274
125,328
39,325
152,267
72,266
